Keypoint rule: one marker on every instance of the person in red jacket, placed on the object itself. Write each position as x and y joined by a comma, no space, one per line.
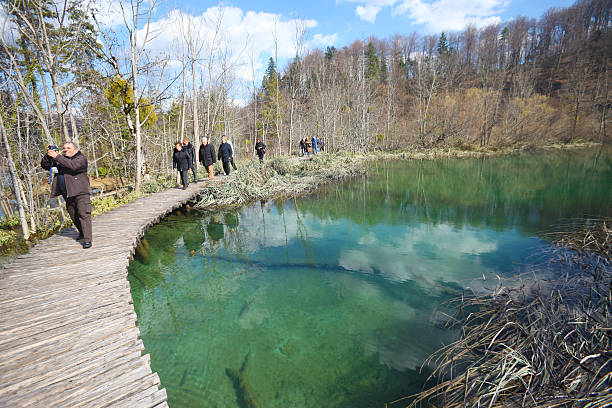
72,183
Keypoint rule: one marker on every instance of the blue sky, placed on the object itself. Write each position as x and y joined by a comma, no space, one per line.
349,20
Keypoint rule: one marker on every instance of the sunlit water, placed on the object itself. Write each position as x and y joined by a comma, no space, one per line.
336,299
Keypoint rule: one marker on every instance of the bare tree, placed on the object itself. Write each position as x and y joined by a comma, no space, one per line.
57,31
137,61
16,182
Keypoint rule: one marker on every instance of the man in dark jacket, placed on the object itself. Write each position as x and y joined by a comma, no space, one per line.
207,157
188,148
72,183
260,149
180,161
225,154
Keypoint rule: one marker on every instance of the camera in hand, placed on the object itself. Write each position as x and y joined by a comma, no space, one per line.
53,169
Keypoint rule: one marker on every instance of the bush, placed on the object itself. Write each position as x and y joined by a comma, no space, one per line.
9,222
7,237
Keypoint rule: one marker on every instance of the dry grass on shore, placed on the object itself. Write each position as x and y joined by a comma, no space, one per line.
537,342
279,177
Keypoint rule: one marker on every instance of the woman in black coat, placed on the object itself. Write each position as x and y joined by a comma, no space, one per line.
190,150
180,161
207,157
260,149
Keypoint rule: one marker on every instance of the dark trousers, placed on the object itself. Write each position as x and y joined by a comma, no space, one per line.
232,162
260,157
226,167
79,209
194,170
184,177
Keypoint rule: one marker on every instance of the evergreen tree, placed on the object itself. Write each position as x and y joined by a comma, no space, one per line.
330,52
443,44
372,63
269,82
270,108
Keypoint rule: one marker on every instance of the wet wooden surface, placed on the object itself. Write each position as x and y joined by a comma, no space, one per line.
68,335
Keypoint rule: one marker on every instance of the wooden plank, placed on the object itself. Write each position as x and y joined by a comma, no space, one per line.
150,397
45,327
129,388
120,294
32,343
89,278
81,288
73,370
37,315
68,280
68,351
85,354
64,390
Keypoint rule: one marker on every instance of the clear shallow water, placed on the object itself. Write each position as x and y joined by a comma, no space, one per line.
336,299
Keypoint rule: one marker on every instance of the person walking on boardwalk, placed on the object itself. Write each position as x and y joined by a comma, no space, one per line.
180,161
307,146
72,183
225,154
229,142
188,148
260,149
315,147
207,157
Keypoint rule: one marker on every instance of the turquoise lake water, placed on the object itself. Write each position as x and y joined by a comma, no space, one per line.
336,299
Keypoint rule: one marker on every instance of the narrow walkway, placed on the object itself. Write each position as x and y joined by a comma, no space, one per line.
68,335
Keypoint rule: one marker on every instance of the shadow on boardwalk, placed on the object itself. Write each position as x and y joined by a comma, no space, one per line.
68,334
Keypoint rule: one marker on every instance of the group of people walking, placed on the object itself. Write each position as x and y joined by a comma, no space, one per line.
68,172
307,146
184,158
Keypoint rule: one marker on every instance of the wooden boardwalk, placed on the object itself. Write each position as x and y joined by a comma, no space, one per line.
68,335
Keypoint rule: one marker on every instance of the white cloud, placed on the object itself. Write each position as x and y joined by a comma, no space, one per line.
370,8
437,15
320,40
451,15
426,254
108,13
368,13
244,40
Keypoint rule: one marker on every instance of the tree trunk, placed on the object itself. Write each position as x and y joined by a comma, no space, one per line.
16,184
196,122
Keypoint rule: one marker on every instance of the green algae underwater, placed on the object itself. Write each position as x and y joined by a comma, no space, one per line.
336,299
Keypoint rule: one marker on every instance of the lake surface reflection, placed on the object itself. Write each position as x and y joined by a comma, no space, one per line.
336,299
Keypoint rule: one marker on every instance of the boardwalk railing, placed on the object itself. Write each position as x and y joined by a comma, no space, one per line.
68,335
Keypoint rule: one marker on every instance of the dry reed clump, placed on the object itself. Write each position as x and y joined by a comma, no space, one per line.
279,177
536,342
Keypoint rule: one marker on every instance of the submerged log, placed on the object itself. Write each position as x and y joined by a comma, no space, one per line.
244,393
143,252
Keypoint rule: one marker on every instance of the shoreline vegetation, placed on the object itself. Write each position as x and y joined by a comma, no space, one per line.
541,339
280,177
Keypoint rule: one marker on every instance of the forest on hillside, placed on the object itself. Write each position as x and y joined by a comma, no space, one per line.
64,76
